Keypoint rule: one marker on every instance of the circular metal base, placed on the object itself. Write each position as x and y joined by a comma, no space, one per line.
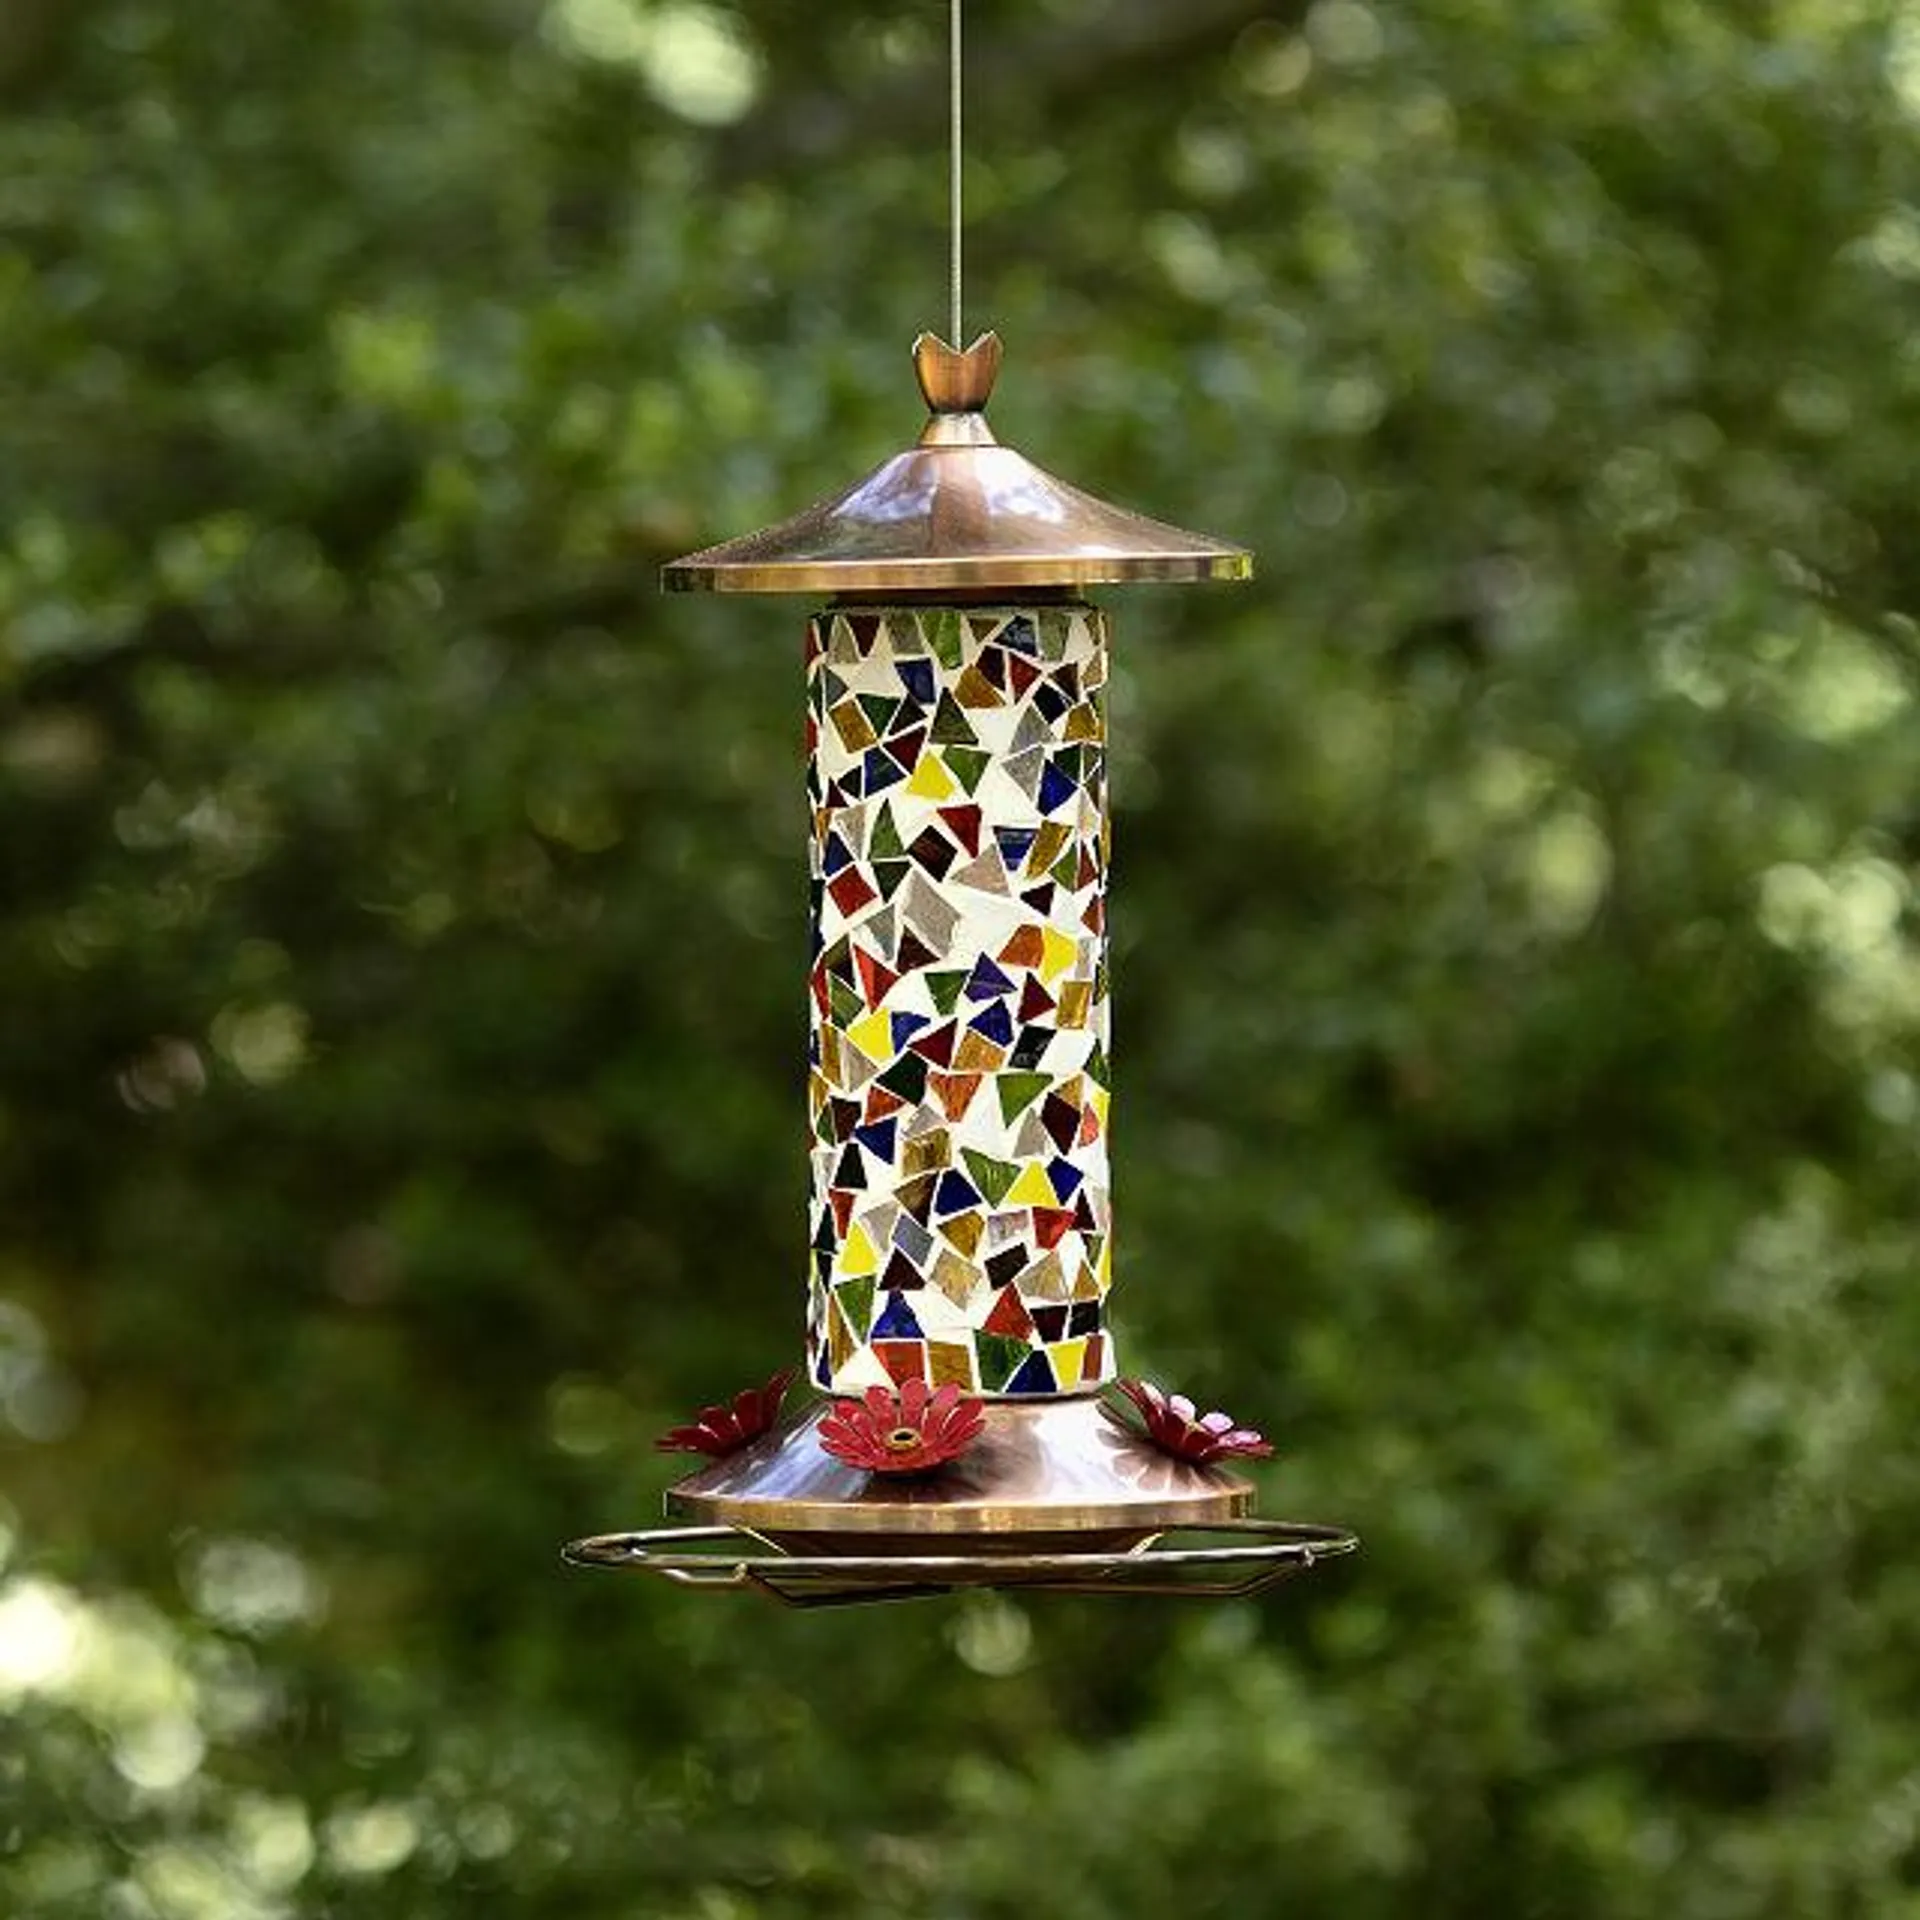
1052,1474
1244,1556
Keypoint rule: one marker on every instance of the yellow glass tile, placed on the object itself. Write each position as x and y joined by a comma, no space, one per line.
1059,955
931,780
873,1036
1032,1189
857,1257
1069,1359
1076,1002
1083,724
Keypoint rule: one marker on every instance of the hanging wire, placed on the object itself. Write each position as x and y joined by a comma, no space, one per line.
954,181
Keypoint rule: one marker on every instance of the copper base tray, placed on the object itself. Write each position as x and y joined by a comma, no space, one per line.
1052,1496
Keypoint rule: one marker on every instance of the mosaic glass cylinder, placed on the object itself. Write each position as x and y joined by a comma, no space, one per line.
958,1083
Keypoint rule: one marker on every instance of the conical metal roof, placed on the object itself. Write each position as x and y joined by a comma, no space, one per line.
956,511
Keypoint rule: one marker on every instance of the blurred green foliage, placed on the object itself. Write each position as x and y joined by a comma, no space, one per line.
1519,996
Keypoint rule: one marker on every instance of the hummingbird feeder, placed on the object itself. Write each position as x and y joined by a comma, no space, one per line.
972,1427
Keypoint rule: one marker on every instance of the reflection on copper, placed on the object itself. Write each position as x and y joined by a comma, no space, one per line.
956,511
1042,1466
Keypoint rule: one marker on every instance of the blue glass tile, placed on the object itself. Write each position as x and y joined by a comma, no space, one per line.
1035,1376
996,1023
898,1322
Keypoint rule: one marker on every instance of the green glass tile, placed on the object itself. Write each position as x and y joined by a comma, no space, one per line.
945,989
999,1359
944,636
1018,1091
886,843
969,766
856,1302
993,1177
950,725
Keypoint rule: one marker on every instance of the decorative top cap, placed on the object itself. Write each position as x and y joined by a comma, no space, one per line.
957,511
956,382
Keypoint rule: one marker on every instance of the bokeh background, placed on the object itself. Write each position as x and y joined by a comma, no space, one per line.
401,923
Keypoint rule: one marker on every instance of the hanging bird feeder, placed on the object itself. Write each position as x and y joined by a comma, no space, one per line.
973,1428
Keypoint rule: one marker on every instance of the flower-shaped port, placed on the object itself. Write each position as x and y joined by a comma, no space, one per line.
720,1431
906,1432
1172,1423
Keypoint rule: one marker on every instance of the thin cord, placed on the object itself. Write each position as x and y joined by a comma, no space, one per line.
954,164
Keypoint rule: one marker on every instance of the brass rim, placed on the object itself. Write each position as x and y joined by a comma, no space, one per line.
721,1559
923,576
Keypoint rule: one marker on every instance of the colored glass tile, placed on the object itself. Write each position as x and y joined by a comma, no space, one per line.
956,1277
993,1022
998,1359
904,1360
956,1092
1050,1323
1034,1375
1030,1047
1009,1317
1014,843
964,1231
1007,1265
897,1322
879,770
850,890
885,843
992,1177
901,1275
955,1194
1018,1091
912,1239
1068,1359
934,853
950,1364
976,691
929,1153
946,988
907,1077
1051,1225
968,765
943,634
963,823
984,875
937,1046
855,1300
